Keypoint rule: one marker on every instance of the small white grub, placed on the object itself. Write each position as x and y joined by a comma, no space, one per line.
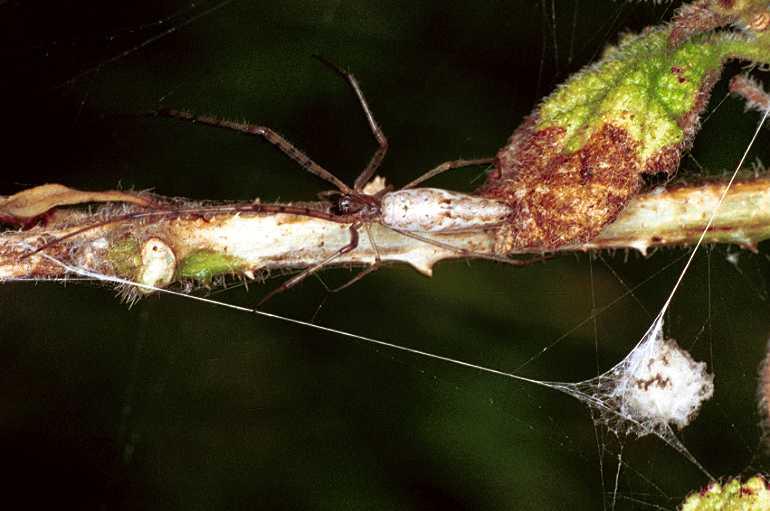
158,265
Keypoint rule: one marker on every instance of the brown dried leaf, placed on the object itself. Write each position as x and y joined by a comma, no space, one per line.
24,207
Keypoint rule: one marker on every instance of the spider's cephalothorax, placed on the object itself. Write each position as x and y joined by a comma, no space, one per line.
361,206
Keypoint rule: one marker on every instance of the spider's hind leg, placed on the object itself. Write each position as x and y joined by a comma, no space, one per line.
444,167
351,245
376,265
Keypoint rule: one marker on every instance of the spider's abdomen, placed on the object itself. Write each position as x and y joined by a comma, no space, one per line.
434,210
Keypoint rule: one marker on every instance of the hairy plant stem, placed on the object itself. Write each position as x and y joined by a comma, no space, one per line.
198,247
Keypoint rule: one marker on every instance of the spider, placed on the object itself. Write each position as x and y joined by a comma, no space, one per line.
408,211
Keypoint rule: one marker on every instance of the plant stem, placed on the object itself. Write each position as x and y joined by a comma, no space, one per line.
201,247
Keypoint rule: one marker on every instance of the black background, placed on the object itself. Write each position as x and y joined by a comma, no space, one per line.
177,404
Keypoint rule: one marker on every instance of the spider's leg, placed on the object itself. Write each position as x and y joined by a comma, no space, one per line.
370,269
379,154
268,134
470,254
351,245
447,165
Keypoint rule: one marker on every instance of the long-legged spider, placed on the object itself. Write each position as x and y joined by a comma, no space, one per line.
408,211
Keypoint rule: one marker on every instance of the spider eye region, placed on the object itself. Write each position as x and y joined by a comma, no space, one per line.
346,205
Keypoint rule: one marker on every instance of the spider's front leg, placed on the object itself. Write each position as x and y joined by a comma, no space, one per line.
382,141
268,134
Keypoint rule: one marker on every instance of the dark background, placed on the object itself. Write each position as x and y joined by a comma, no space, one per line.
179,405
